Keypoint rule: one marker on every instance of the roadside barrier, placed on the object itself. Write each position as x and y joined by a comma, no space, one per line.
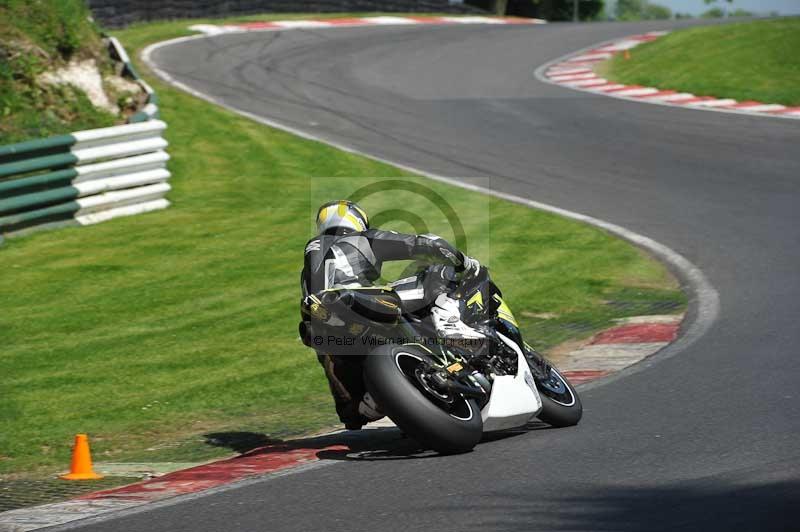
87,177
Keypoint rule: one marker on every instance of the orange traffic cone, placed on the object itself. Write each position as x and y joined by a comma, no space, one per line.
81,468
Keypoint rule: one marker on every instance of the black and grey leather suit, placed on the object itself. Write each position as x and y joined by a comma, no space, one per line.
355,259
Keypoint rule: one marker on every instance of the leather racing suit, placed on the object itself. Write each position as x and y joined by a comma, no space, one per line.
355,259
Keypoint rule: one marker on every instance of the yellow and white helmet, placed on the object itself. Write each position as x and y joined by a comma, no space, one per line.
335,216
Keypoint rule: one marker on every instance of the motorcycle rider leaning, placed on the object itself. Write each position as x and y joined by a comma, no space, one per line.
347,253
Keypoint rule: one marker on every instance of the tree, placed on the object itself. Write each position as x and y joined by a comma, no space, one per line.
724,9
499,7
641,10
552,9
629,9
714,12
656,12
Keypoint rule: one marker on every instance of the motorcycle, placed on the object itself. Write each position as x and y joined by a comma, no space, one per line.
443,393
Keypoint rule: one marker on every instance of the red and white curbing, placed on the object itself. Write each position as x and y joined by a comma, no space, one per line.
619,347
577,72
281,25
606,352
270,459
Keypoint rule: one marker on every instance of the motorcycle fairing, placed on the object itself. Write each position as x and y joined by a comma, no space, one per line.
514,398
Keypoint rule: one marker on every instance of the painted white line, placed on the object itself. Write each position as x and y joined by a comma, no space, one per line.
620,46
301,24
571,77
559,71
474,20
47,515
212,29
660,319
390,20
712,103
607,87
762,108
586,82
637,92
672,97
598,56
590,64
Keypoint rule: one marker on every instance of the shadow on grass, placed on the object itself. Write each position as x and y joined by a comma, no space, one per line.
368,444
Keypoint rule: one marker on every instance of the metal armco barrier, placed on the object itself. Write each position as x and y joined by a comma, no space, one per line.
89,176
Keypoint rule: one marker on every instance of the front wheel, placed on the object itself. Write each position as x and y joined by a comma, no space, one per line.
447,423
561,406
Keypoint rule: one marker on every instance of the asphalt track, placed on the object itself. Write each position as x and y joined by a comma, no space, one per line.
704,440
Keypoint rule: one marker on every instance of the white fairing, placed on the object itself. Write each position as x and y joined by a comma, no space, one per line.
514,399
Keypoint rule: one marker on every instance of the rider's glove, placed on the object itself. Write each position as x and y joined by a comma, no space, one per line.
471,268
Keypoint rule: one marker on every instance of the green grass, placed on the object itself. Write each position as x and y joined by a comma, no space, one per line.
149,332
745,61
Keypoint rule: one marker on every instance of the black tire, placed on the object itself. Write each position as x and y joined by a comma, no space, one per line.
561,405
415,411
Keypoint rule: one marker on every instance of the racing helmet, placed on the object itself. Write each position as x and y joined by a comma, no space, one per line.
341,216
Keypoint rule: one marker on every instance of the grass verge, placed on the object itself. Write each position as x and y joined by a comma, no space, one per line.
153,333
745,61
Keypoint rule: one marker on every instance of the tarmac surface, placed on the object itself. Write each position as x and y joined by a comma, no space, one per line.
703,439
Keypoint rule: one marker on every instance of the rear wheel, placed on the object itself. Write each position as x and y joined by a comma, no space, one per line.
396,377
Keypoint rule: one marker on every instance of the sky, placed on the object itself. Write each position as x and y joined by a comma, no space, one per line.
695,7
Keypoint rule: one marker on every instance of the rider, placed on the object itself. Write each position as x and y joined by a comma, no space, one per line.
347,253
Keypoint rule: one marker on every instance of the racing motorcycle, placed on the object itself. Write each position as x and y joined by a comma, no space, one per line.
443,393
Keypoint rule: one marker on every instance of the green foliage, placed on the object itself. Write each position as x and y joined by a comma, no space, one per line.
714,12
40,35
554,10
746,61
656,12
629,10
741,13
717,12
60,27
